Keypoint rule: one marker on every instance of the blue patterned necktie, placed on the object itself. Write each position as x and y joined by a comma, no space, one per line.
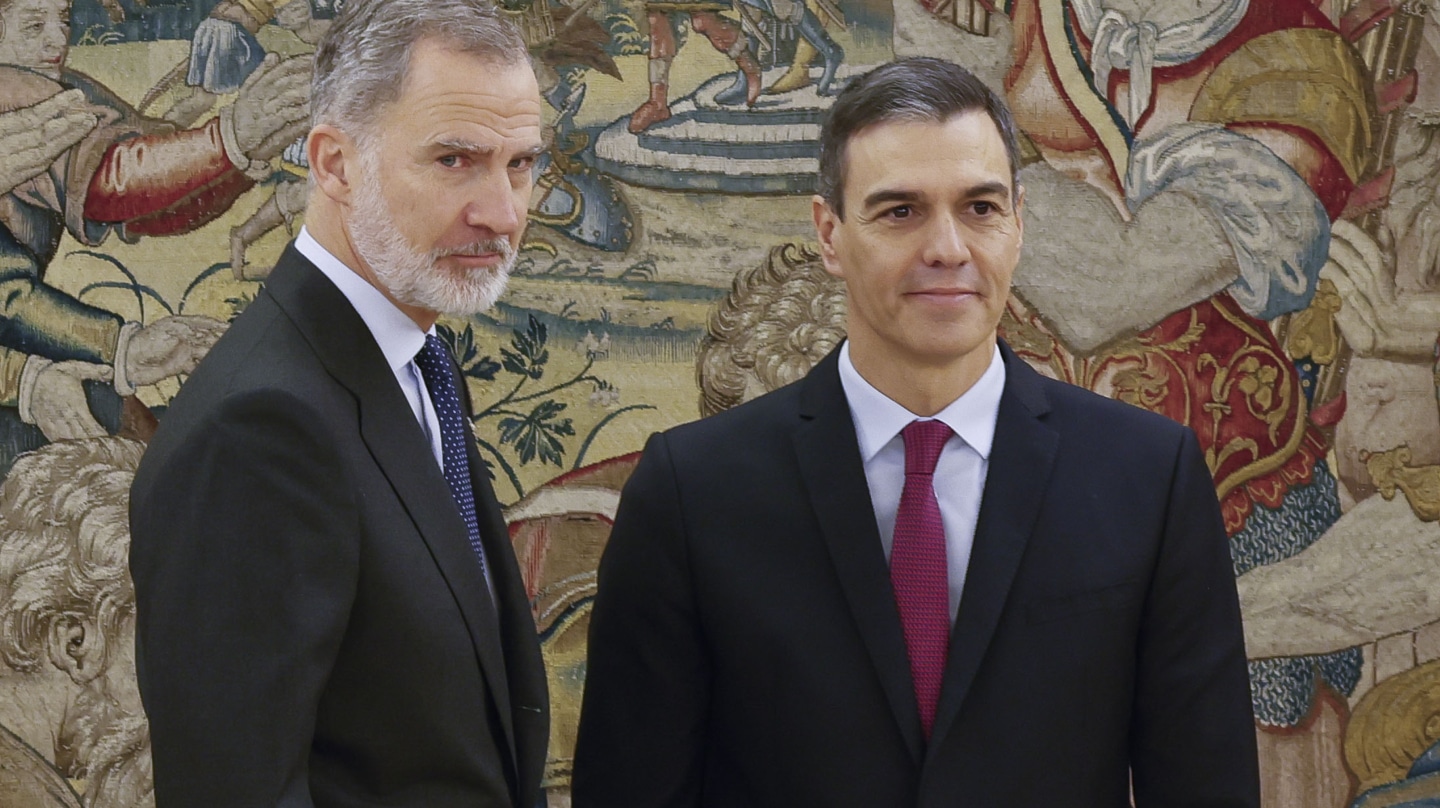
434,363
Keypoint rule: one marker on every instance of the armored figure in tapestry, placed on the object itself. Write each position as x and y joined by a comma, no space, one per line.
739,44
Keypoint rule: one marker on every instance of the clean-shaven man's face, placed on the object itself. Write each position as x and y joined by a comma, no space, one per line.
930,239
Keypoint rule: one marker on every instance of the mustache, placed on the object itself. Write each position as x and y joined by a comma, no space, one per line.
488,245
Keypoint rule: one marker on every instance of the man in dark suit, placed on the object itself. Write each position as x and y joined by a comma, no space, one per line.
329,612
923,575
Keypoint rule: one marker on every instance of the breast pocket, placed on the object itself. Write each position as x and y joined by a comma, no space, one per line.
1090,601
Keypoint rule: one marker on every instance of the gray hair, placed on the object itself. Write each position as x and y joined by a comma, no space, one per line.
363,59
921,88
65,544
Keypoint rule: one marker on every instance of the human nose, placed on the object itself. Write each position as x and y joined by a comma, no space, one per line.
946,244
498,206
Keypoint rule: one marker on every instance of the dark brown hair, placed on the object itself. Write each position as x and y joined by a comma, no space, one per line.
915,89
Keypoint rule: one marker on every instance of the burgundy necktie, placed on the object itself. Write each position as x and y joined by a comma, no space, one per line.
918,570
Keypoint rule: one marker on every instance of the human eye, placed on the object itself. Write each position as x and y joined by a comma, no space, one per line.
524,162
450,160
899,212
986,208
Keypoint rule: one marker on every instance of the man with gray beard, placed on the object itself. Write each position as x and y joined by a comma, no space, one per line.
328,609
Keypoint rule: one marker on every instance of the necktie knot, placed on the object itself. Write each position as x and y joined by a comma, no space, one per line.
433,361
924,440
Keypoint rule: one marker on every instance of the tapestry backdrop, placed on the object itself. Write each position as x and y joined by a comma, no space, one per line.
1232,220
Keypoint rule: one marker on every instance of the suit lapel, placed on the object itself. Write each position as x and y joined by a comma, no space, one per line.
526,694
390,431
1020,464
834,476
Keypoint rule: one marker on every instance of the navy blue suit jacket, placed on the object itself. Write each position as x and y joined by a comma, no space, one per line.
745,647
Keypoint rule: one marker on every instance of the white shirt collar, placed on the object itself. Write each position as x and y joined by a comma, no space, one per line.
878,418
397,335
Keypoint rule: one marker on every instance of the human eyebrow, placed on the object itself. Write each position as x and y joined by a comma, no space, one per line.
888,195
456,144
988,189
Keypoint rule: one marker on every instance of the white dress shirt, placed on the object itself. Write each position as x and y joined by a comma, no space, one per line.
397,335
959,474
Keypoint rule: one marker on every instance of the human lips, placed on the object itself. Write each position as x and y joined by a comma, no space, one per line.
943,294
479,259
484,254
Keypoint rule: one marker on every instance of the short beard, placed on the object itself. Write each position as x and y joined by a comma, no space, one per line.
412,277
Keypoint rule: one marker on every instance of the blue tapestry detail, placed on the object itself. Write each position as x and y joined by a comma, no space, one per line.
144,21
1341,669
1271,535
222,56
1427,763
1413,792
1309,372
1282,690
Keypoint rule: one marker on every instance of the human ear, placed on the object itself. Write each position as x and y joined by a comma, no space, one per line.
331,154
825,222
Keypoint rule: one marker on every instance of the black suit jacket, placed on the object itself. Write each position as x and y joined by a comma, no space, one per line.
313,626
745,647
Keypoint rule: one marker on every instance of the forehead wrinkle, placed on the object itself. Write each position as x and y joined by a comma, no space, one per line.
478,103
923,185
452,129
436,111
